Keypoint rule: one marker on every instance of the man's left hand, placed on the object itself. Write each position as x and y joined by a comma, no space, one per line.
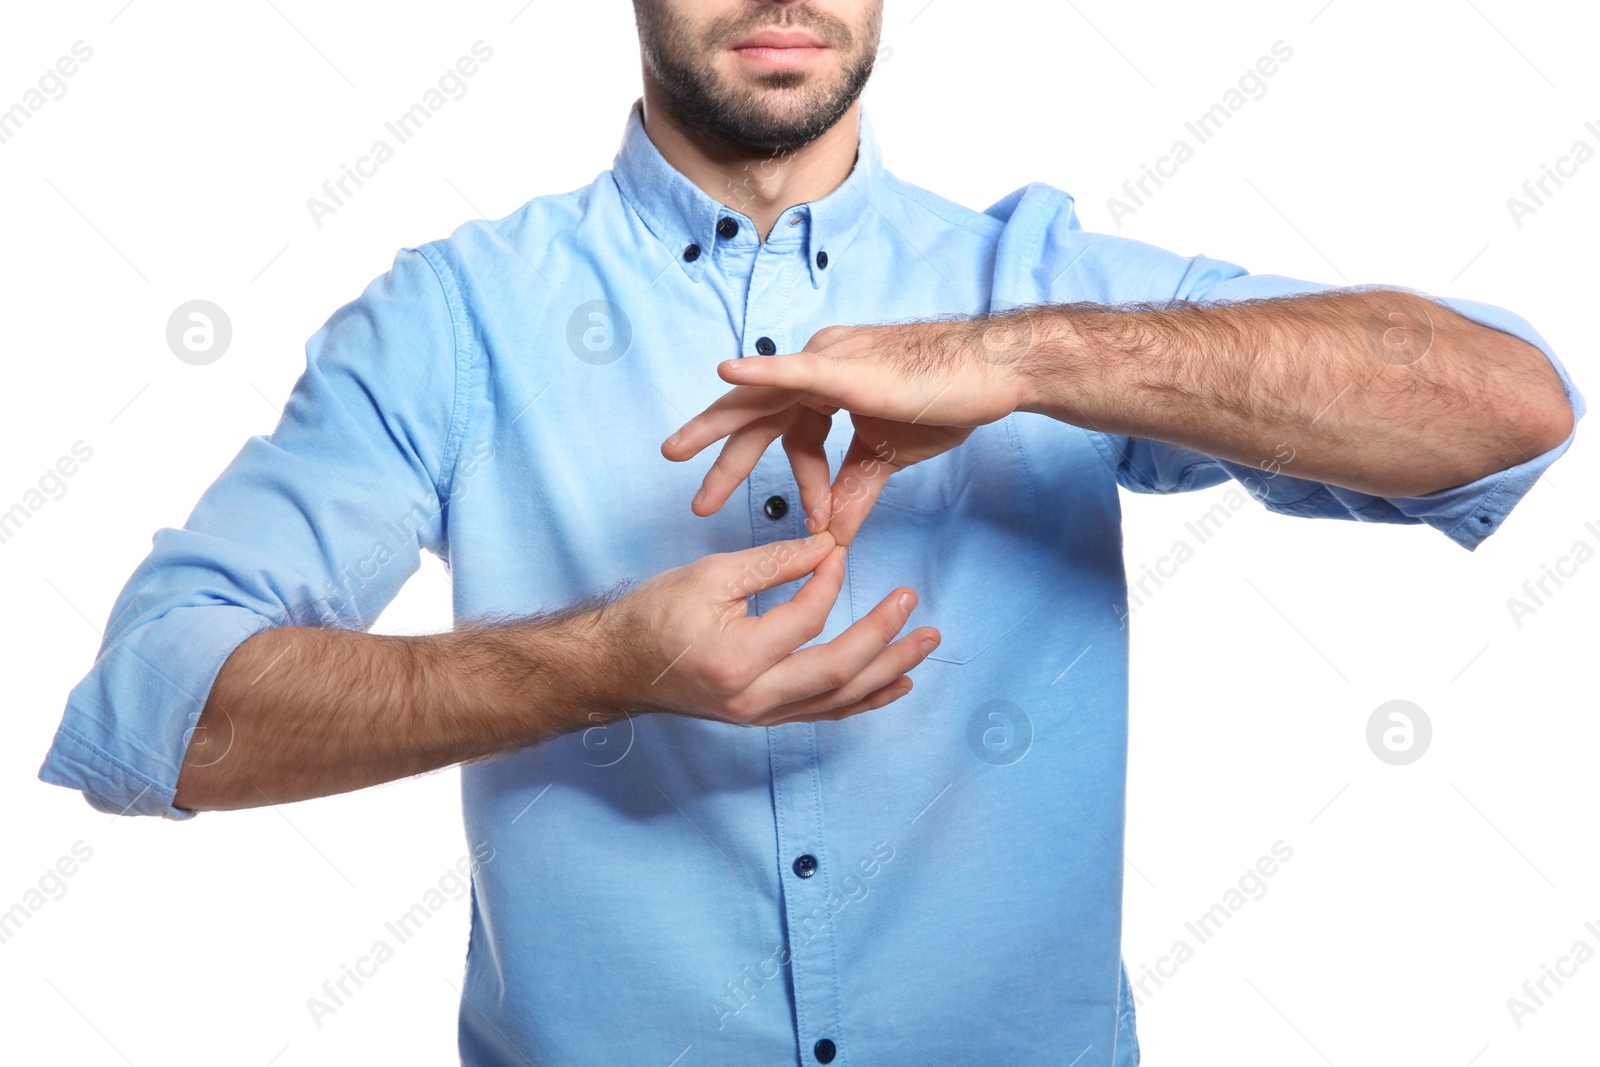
913,391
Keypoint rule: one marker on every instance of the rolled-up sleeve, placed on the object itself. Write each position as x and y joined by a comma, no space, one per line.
319,523
1466,514
1050,256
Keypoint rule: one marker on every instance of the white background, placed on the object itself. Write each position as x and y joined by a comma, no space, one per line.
1418,898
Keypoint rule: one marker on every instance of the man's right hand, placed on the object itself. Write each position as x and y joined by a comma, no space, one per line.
299,712
686,642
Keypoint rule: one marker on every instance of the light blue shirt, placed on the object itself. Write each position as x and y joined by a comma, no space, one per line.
499,398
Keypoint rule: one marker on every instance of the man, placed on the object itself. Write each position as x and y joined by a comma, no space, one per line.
534,401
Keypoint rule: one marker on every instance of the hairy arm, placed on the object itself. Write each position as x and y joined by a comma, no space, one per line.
1379,391
301,712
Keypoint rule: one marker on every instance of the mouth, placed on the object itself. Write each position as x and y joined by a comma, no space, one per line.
778,48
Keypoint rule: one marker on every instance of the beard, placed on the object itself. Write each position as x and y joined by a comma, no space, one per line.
782,111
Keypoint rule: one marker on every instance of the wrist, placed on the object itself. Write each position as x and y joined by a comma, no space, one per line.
610,636
1050,370
552,674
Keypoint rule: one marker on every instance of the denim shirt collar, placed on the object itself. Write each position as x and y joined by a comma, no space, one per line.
680,214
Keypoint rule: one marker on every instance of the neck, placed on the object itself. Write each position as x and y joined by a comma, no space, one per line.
759,183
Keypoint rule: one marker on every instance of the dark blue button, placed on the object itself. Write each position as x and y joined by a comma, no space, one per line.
822,260
805,867
727,227
691,253
824,1050
775,508
765,347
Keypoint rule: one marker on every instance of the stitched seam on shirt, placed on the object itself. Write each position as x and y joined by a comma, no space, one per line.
917,195
827,889
461,352
785,900
1102,444
76,738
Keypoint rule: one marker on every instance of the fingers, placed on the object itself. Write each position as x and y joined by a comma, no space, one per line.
857,662
861,479
888,667
732,410
755,569
804,431
804,372
735,462
805,444
786,627
887,695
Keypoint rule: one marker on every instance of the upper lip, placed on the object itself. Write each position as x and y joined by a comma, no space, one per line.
775,38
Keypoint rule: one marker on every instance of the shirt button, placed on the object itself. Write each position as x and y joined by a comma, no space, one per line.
776,508
824,1050
727,227
691,253
822,260
765,347
805,867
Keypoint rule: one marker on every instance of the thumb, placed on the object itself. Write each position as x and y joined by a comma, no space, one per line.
778,563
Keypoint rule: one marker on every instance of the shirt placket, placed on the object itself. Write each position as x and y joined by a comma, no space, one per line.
772,495
776,513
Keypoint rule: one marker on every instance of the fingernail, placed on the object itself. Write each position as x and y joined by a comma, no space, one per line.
673,439
928,644
701,495
907,601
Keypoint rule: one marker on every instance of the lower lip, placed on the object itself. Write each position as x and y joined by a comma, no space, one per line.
778,57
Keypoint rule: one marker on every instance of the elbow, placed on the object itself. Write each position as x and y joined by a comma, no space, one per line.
1541,412
1527,408
1552,424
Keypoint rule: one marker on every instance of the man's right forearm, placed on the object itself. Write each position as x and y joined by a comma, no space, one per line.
301,712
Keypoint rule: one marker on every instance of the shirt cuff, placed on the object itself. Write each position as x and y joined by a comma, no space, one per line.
1467,514
126,728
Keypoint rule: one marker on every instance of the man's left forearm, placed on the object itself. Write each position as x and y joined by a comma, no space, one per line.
1379,391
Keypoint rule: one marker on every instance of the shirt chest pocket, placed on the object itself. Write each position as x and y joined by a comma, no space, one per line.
962,530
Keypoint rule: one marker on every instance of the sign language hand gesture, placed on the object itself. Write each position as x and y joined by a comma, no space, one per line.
913,391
